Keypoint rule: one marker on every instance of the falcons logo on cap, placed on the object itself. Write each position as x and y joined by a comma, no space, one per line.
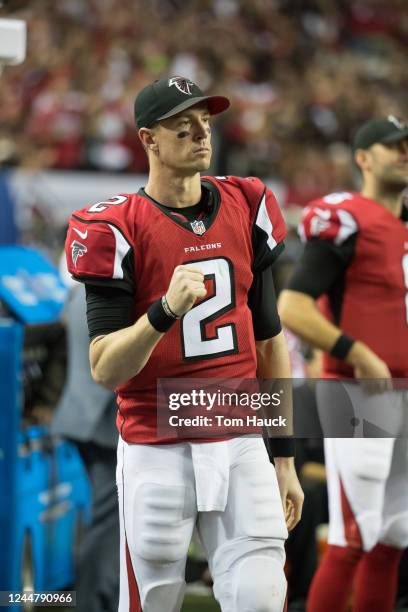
78,250
182,84
397,122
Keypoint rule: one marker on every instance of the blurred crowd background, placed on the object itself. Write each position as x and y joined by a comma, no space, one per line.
301,74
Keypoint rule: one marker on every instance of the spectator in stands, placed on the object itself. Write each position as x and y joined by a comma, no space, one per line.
305,71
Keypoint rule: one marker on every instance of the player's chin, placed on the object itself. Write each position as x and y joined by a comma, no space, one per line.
201,165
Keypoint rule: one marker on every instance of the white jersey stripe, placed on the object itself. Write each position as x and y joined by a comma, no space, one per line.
263,221
121,250
348,226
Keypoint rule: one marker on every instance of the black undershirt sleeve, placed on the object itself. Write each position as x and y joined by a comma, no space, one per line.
321,265
266,322
262,303
108,309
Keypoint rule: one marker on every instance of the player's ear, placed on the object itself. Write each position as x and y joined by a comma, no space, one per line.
148,139
362,159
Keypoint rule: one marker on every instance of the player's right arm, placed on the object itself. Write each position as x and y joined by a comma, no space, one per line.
328,251
119,356
299,312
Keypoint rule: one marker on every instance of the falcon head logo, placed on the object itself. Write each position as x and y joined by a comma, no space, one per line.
182,84
401,125
78,250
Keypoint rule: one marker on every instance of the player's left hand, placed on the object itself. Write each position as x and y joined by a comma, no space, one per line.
291,492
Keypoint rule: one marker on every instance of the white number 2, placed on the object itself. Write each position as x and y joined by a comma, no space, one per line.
195,342
405,270
101,206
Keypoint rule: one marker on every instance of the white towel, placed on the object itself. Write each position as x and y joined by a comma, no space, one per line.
211,465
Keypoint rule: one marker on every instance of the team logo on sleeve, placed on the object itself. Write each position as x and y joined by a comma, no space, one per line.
78,250
320,221
183,85
198,227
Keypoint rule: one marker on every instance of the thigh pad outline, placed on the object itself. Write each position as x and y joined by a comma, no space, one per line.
163,522
258,511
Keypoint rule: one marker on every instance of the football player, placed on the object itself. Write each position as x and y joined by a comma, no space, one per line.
179,284
355,263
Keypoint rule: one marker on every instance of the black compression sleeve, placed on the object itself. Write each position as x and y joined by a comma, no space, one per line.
266,323
321,265
108,309
262,302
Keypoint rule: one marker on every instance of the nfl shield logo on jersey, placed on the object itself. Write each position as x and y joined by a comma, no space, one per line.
198,227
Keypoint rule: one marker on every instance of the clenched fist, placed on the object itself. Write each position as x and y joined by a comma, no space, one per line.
186,287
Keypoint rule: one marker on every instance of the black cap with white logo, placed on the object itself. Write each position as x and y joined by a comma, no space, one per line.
385,130
167,97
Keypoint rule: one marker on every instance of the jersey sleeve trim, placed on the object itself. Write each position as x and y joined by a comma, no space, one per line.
348,226
268,232
122,249
264,223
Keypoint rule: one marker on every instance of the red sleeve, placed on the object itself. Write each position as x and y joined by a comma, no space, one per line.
327,222
98,252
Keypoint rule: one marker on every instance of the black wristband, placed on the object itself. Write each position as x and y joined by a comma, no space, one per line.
341,348
283,447
167,308
280,447
160,316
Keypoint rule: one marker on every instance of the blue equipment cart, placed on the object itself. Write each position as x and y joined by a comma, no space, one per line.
45,494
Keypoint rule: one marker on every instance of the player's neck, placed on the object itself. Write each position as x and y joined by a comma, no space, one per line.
175,191
390,201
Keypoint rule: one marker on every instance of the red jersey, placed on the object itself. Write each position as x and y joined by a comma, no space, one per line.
370,302
132,241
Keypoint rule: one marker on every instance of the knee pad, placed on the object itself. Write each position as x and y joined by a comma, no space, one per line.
260,585
163,523
164,596
396,532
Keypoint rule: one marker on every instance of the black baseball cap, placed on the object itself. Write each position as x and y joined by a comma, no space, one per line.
167,97
384,130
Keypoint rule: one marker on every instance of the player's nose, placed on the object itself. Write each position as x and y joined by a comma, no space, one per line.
201,130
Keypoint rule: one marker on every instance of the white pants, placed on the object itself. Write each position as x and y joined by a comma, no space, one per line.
367,477
229,492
